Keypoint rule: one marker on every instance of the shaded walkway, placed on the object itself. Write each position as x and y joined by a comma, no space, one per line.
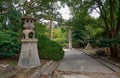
77,64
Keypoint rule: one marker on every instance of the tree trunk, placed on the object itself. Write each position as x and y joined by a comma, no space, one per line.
51,30
113,49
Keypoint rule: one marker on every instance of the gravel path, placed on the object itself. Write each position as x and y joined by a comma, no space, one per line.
79,65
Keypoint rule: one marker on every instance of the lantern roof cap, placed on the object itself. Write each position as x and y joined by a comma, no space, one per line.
28,16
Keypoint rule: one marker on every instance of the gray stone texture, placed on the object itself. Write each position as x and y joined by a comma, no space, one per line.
29,54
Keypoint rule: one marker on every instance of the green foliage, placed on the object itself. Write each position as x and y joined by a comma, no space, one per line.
103,43
59,36
107,42
9,43
77,35
93,31
49,50
9,15
40,28
115,41
45,9
85,26
14,20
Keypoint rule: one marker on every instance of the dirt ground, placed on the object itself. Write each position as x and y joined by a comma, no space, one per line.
10,61
14,61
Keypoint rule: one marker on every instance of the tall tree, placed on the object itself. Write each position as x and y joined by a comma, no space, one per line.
110,13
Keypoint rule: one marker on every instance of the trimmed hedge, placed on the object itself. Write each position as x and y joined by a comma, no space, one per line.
49,50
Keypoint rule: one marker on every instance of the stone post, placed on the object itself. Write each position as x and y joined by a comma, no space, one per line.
29,53
70,37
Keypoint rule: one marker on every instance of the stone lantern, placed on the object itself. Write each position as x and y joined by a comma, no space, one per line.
89,46
29,53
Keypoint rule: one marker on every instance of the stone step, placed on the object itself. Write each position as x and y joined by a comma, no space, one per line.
37,72
49,71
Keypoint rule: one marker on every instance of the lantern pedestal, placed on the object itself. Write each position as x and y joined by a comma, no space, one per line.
29,54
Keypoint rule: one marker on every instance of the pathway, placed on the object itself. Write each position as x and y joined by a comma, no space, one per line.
76,64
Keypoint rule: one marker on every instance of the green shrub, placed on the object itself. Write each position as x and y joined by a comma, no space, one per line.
49,50
103,43
9,43
107,42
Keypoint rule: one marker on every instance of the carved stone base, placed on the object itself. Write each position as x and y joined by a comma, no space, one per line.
29,54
